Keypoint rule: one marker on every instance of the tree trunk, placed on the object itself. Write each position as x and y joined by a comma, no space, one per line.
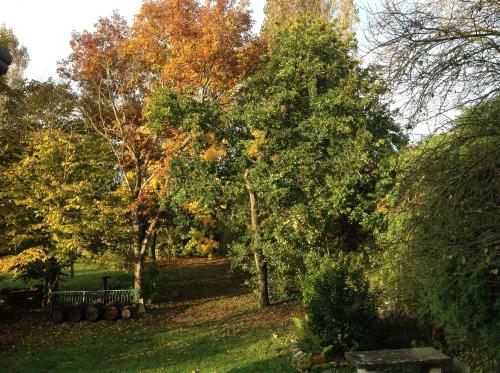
75,312
51,283
260,261
143,232
127,312
153,248
58,314
138,272
140,235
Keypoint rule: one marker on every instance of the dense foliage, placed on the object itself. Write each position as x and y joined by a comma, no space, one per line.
312,133
339,305
54,184
442,260
185,134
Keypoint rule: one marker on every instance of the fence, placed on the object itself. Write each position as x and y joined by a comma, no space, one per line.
67,298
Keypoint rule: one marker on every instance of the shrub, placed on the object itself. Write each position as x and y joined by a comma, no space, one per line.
307,340
336,297
441,258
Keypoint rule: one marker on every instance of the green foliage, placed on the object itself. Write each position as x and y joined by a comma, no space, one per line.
340,308
56,178
442,259
313,133
307,340
193,205
166,108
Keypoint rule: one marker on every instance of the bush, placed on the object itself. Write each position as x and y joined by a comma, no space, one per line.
336,297
441,258
307,340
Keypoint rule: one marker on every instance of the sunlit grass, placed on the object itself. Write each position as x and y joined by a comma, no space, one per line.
206,321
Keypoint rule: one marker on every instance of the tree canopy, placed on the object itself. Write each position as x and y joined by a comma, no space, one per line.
438,55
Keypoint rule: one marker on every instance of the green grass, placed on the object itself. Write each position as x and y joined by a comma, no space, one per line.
204,320
87,277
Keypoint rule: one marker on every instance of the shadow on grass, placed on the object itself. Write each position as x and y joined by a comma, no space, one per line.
274,364
192,283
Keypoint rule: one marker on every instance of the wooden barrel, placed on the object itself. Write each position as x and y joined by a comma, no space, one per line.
93,311
112,310
57,315
127,312
75,312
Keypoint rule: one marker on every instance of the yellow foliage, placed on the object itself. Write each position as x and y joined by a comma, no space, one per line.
201,243
200,213
382,208
15,263
254,145
192,207
212,153
209,244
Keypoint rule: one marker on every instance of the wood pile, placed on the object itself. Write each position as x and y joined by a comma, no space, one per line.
28,298
111,311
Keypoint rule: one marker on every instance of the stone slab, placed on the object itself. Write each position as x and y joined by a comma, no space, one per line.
368,360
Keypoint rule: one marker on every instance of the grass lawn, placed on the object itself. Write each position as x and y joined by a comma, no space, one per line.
203,320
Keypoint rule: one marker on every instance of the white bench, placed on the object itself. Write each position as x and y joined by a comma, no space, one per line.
374,361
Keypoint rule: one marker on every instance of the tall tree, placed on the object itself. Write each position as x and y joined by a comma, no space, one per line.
313,134
438,54
113,86
118,69
11,98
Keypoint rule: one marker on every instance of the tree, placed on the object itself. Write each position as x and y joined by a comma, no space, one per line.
438,55
312,134
113,88
147,128
11,96
20,57
279,12
442,258
53,183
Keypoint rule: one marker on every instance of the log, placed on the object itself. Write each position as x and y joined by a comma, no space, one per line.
75,312
57,315
93,311
127,312
112,310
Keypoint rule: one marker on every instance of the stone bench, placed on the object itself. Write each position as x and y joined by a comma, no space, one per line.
427,358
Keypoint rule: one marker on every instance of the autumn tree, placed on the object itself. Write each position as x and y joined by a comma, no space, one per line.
113,86
313,135
53,185
119,70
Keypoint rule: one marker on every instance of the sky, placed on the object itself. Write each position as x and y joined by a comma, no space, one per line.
44,27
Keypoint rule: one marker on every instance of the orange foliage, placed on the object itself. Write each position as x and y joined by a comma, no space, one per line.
204,48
